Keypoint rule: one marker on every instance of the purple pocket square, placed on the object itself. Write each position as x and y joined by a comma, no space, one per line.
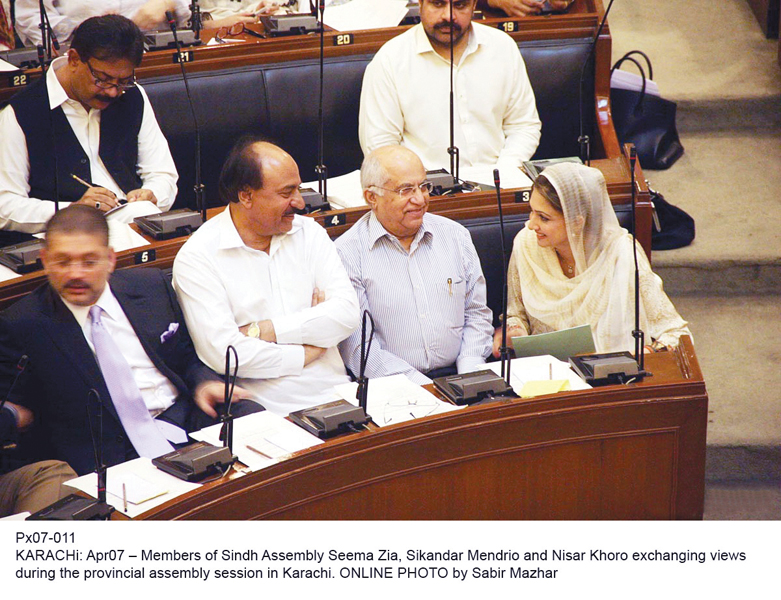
169,333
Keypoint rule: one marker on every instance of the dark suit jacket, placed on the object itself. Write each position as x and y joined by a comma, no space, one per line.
62,368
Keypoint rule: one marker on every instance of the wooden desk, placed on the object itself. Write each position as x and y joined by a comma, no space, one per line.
618,452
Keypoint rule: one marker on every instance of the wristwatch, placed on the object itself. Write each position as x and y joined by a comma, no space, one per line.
254,330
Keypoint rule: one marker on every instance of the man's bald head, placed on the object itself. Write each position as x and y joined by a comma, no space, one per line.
377,167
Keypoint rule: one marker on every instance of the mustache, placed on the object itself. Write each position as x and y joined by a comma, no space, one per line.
76,283
102,98
447,25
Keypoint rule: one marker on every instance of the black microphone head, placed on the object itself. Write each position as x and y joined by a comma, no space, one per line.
496,178
170,18
22,364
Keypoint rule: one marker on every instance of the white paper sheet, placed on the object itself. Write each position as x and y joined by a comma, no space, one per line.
6,67
143,481
344,191
509,178
365,14
396,399
536,368
261,439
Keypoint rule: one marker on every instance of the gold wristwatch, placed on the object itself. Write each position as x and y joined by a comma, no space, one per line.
254,330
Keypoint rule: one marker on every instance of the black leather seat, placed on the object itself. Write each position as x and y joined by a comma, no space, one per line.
280,101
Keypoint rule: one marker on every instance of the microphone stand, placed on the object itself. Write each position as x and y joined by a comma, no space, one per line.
362,394
455,158
198,188
504,350
195,20
44,48
583,139
320,169
226,433
637,333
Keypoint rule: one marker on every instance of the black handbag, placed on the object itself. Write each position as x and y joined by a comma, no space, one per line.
673,226
645,120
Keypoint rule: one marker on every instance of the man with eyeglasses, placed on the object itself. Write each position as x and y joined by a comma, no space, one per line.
418,275
85,133
405,96
120,335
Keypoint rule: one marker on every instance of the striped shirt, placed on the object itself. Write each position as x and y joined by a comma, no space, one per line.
429,305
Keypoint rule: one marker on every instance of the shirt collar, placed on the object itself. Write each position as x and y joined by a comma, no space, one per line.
423,44
57,94
230,238
107,302
378,232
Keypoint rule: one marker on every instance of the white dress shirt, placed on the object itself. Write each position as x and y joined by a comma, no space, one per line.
66,15
156,389
155,166
428,304
223,284
406,97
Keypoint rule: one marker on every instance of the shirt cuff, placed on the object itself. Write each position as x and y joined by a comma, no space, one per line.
467,364
287,329
291,360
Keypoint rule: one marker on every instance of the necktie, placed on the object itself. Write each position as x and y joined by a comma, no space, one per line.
139,425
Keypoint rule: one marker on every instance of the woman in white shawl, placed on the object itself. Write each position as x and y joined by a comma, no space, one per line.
573,265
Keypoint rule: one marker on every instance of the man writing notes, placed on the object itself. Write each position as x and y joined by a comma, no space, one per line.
85,132
418,275
268,282
125,340
406,91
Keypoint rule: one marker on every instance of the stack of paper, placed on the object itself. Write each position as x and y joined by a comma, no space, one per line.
396,399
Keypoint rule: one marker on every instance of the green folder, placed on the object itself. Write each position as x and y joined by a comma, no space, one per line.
561,344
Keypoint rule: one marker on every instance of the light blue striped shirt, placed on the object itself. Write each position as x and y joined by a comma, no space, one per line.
429,305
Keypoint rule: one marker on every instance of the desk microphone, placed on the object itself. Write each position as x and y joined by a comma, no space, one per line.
504,351
78,508
198,188
583,139
362,394
226,433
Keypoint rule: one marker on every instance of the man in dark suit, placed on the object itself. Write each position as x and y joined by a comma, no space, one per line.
149,381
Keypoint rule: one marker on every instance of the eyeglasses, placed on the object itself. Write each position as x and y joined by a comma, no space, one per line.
88,264
408,191
104,82
236,29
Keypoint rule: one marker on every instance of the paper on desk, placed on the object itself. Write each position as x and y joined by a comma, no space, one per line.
6,67
261,439
395,399
145,483
122,237
509,177
365,14
539,368
22,516
344,191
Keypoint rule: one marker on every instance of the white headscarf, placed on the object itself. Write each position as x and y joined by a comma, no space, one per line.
601,293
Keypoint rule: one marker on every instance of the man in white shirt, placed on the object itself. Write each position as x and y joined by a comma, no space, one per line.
66,15
418,275
268,282
406,92
85,133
